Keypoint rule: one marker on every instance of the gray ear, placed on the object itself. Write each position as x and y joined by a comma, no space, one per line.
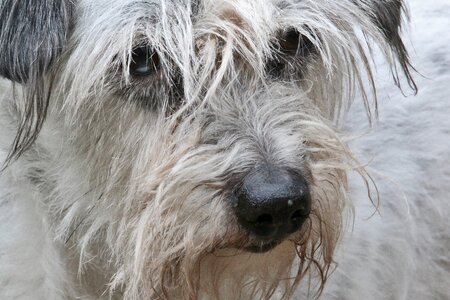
32,35
388,16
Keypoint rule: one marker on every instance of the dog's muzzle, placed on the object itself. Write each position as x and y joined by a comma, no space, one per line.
272,203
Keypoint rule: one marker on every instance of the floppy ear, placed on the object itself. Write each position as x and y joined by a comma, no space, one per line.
388,16
32,35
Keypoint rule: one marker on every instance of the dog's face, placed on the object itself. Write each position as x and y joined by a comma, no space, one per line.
195,150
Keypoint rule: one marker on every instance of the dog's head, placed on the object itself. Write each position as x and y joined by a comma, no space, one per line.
195,149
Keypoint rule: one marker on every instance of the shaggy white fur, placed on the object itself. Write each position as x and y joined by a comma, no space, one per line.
127,192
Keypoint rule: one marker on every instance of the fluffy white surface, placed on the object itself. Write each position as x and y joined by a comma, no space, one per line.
403,251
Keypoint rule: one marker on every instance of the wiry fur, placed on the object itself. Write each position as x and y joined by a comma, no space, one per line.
131,180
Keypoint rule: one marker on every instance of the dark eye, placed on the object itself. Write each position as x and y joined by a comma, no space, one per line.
292,42
144,61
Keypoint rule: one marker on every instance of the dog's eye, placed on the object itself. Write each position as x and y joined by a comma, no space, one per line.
144,61
290,48
292,42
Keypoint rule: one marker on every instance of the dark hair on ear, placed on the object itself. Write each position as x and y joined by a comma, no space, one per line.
33,33
388,16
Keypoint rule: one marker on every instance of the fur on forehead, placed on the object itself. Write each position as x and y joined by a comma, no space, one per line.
245,28
190,38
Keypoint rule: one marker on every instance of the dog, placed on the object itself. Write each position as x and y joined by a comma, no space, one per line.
186,149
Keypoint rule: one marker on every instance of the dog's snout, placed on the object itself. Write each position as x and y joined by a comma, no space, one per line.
273,202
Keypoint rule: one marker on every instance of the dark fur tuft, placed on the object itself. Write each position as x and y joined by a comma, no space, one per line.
33,34
388,16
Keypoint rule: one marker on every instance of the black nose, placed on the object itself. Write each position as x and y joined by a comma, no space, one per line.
273,202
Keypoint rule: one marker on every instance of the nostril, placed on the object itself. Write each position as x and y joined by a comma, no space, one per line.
298,215
264,220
